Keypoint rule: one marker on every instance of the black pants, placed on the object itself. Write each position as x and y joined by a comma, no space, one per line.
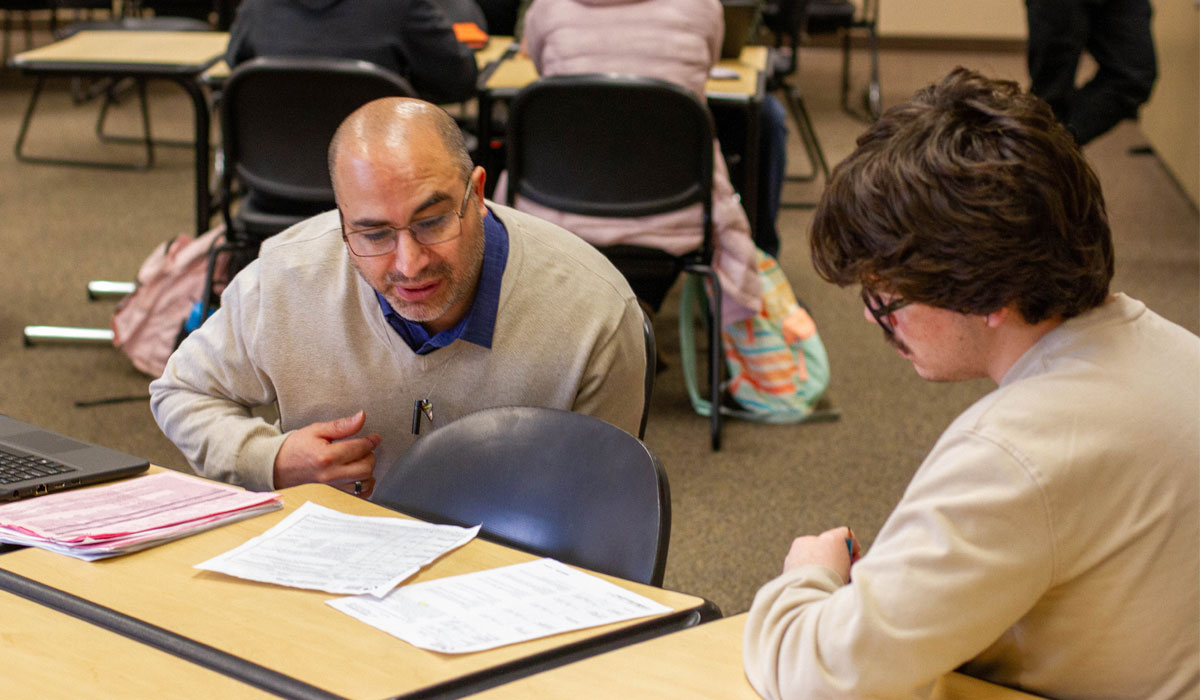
1117,35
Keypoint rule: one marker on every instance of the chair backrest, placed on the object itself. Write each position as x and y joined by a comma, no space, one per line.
278,115
551,482
611,145
830,16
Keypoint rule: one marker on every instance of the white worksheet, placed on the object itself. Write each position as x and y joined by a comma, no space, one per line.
327,550
492,608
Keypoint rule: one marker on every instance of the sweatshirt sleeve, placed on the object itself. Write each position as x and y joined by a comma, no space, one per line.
204,400
966,553
440,68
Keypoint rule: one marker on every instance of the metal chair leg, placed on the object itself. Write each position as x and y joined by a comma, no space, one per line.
812,146
101,289
715,357
65,334
872,94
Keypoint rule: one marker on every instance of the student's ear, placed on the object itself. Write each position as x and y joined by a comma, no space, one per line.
998,317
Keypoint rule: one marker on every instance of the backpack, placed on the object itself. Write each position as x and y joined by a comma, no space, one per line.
778,367
164,307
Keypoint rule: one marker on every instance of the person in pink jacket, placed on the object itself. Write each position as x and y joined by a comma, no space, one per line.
672,40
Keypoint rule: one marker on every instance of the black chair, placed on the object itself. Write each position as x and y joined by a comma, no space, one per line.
277,116
621,146
651,369
845,18
551,482
786,19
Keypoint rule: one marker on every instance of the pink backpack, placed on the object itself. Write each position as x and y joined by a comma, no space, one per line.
150,322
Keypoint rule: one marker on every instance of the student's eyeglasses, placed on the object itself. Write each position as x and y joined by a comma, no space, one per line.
883,312
372,242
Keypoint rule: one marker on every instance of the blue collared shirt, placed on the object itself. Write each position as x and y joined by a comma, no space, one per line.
480,322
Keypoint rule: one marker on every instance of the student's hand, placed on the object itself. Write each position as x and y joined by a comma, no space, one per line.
828,549
327,453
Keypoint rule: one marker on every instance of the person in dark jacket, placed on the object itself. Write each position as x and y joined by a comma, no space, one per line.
412,38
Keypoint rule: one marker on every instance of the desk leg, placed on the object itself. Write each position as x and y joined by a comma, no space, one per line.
202,128
19,146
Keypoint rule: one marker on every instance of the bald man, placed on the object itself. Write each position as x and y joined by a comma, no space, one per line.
411,304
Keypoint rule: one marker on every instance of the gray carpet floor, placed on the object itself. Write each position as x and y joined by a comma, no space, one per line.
736,511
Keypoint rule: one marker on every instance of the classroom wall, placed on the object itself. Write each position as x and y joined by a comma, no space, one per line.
952,19
1171,120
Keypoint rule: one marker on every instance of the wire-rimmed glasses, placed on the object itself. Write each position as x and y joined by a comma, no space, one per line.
381,240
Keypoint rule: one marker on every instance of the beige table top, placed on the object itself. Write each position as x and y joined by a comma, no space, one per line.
288,630
698,662
47,654
494,49
140,48
518,70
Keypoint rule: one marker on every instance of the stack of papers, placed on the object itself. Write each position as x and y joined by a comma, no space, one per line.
326,550
128,515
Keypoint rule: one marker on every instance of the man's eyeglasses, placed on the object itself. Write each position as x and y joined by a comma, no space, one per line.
371,242
883,312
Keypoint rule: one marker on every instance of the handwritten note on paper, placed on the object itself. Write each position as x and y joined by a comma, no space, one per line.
492,608
323,549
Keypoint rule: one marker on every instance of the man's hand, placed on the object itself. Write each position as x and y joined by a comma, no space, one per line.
828,549
327,453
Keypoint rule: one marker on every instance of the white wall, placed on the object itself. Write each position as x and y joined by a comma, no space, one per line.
1171,120
957,19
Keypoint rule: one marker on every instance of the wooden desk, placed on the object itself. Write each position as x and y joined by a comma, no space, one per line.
516,71
699,662
490,53
177,56
513,71
294,633
47,654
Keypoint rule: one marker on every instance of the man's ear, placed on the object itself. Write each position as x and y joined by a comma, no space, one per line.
481,174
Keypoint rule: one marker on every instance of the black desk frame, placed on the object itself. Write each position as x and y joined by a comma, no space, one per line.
288,687
186,76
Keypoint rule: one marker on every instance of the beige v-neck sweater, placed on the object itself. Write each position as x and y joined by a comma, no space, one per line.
301,329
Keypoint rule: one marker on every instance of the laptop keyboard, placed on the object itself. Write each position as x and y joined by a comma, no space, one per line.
14,467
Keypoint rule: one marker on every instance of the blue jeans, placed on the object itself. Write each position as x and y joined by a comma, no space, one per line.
772,167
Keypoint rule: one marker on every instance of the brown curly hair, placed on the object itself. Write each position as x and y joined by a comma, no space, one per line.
969,197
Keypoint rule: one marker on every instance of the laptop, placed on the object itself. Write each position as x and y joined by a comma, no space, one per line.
36,461
739,18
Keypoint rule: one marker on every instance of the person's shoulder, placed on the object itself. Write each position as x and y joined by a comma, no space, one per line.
551,247
314,242
321,230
